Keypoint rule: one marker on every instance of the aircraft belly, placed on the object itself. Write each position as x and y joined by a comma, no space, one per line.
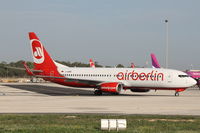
143,84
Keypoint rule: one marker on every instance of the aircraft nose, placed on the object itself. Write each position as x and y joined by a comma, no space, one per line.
192,81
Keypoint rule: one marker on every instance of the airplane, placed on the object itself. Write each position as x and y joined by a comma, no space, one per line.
195,74
105,80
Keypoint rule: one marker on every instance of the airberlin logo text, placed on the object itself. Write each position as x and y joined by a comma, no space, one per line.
153,75
38,53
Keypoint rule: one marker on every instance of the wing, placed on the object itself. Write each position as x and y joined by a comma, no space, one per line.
85,81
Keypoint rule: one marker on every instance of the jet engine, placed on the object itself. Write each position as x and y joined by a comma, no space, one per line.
140,90
112,87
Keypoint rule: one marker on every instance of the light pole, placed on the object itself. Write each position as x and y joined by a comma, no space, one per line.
167,42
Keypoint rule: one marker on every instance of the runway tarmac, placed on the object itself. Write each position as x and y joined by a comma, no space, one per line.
53,98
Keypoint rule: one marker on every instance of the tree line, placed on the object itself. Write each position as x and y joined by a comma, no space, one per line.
16,69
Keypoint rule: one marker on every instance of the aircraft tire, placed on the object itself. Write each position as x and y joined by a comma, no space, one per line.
176,93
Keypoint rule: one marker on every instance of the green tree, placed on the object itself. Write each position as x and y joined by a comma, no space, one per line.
120,66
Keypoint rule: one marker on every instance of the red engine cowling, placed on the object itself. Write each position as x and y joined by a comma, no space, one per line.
112,87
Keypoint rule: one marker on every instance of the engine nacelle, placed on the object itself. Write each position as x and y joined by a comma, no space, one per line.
140,90
112,87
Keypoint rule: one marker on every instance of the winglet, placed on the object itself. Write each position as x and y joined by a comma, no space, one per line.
154,61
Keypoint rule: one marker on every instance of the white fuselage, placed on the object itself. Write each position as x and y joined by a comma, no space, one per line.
131,77
104,79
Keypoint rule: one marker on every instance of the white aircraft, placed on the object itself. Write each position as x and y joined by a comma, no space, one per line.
110,80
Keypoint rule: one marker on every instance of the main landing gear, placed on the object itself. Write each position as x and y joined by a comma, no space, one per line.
98,92
176,93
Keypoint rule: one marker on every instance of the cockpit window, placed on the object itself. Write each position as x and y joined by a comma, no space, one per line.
183,76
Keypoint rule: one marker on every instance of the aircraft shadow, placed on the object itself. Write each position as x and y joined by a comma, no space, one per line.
64,91
52,91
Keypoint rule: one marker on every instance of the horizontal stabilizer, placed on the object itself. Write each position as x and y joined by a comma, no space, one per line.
29,71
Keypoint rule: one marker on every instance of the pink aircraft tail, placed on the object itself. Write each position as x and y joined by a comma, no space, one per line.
132,65
155,63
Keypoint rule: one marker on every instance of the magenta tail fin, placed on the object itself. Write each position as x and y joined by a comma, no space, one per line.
154,61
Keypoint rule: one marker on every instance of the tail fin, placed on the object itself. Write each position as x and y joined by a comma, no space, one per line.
41,58
132,65
92,63
154,61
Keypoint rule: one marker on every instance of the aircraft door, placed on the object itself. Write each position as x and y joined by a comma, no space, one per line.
169,78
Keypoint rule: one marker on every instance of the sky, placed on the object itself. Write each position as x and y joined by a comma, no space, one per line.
110,32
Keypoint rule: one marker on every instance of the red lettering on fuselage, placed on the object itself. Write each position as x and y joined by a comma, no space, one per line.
142,76
120,76
153,75
134,76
